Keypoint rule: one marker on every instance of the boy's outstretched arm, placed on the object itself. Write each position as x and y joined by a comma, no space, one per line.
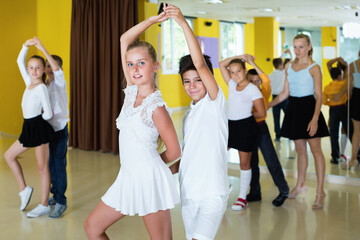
132,34
54,65
195,52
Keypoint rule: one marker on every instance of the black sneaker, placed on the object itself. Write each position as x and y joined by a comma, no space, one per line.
253,197
334,161
280,199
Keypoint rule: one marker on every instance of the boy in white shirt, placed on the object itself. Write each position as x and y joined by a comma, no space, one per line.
203,167
277,80
57,88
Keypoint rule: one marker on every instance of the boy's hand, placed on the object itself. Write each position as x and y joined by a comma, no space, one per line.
39,44
249,59
174,13
159,18
30,42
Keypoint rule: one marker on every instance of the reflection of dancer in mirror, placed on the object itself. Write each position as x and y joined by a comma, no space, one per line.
204,185
243,96
145,185
36,132
263,141
277,78
303,121
336,99
355,112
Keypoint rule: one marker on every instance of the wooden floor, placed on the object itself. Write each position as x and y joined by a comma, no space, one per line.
91,173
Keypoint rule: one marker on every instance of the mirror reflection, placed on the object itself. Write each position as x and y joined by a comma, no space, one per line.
266,30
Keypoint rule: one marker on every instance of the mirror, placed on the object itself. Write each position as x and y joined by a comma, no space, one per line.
235,34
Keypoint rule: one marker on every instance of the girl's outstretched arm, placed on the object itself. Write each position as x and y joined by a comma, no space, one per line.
21,61
132,34
195,51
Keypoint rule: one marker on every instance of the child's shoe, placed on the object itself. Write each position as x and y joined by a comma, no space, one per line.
25,196
240,204
38,211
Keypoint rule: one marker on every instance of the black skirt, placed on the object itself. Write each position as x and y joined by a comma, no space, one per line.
298,115
36,131
243,134
355,104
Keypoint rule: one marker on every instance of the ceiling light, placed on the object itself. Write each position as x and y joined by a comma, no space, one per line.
202,12
214,1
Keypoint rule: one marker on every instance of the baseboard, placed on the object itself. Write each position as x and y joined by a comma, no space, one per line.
310,176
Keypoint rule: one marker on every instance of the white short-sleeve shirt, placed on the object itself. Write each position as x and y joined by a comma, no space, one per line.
203,165
277,80
241,102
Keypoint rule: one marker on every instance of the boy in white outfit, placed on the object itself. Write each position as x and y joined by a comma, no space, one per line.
57,88
203,167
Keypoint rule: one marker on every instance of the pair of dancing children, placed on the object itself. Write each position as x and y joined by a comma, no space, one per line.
45,111
145,185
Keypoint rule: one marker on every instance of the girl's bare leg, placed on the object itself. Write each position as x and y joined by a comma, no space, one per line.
159,225
42,157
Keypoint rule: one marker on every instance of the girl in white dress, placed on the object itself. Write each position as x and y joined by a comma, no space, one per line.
145,185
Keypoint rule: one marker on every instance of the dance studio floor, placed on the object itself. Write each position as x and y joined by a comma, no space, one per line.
91,173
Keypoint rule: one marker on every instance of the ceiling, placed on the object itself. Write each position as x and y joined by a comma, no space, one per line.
290,13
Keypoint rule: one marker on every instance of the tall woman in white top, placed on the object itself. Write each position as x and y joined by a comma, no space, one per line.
36,132
144,185
303,121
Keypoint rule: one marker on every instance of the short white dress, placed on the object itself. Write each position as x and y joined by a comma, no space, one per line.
144,184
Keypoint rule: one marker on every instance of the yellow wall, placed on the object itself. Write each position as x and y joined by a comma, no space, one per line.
249,38
47,19
264,42
17,24
328,39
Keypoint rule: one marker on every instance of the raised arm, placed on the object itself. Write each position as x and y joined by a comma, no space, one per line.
132,34
195,51
21,61
285,92
54,65
224,67
313,124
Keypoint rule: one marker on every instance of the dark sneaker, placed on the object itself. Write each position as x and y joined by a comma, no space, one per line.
57,211
52,201
253,197
334,161
280,199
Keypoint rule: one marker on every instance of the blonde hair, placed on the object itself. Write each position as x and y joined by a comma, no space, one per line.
307,38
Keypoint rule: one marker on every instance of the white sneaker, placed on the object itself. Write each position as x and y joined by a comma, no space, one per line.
25,196
38,211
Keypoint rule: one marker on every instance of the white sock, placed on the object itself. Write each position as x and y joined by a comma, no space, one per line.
343,141
245,179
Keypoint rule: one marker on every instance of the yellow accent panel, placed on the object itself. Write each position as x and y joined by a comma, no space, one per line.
264,42
17,24
249,32
200,29
276,39
328,39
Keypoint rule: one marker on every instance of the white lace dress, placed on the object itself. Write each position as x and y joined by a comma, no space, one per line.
144,184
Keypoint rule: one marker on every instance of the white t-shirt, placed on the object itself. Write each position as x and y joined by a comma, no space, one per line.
277,80
203,165
36,99
59,101
57,92
241,102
